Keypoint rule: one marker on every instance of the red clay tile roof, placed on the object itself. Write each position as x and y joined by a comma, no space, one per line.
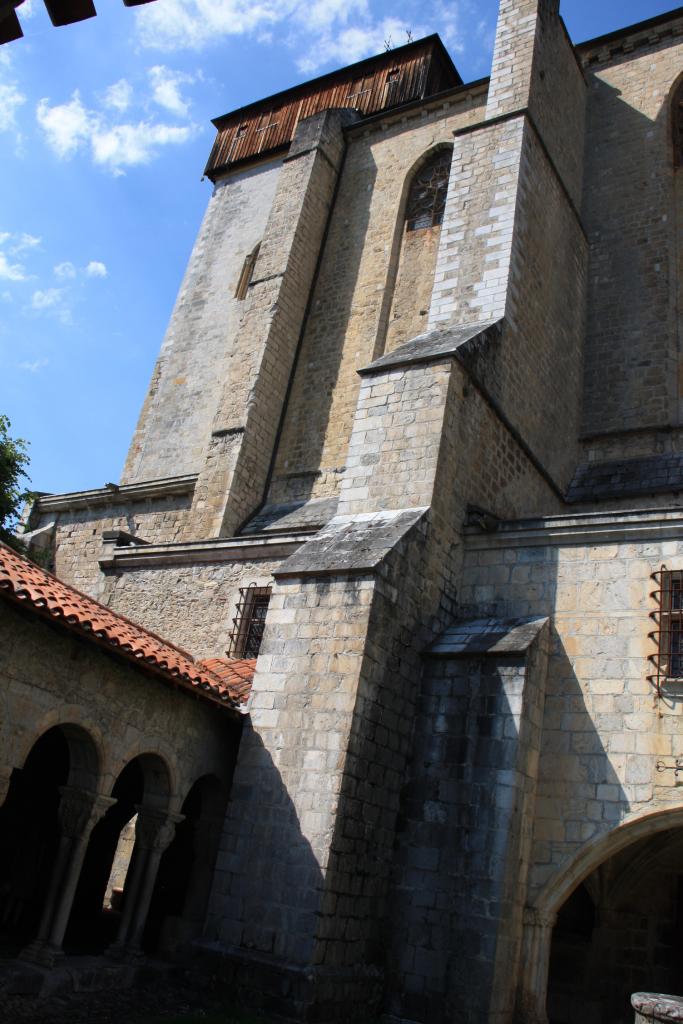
222,680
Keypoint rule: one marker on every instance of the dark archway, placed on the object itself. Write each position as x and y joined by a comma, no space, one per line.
94,923
619,931
30,829
183,885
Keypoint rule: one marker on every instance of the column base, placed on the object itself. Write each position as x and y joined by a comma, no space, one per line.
41,953
124,954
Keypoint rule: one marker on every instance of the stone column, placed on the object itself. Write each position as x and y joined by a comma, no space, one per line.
533,990
154,833
5,779
79,812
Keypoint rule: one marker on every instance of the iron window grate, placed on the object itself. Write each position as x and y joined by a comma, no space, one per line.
668,631
249,622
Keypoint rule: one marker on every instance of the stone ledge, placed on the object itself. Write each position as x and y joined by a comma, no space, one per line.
115,494
487,636
591,528
222,549
352,544
433,346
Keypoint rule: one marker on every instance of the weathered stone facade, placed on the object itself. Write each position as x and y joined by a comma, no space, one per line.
454,454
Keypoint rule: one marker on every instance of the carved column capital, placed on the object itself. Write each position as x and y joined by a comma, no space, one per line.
79,810
154,830
534,917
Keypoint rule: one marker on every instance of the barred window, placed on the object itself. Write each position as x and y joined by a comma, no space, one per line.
671,624
427,196
249,622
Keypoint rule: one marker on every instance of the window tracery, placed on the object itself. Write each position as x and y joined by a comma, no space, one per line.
427,196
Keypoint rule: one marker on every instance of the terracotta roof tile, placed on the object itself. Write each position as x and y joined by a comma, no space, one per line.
222,680
235,673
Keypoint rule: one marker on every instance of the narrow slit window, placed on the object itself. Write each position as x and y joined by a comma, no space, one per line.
247,273
427,196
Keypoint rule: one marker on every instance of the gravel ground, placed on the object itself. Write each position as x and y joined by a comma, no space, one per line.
169,1000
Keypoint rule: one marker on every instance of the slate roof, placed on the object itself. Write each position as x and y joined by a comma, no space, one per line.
224,681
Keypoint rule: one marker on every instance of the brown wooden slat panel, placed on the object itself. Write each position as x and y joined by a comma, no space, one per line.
412,72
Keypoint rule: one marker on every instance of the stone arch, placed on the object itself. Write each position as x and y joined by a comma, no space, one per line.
541,914
558,888
181,895
142,788
84,738
52,792
384,335
675,114
156,759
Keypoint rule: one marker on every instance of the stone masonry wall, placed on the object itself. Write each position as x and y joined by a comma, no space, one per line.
175,423
191,605
78,535
351,305
603,728
245,426
463,840
633,327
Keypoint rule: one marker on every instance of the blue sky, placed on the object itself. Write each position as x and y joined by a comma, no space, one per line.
104,133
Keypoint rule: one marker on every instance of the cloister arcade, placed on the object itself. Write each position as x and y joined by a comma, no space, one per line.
105,770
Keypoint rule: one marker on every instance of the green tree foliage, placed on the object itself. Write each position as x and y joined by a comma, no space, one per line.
13,462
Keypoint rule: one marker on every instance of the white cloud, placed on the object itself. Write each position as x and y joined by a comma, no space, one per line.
191,24
127,145
166,89
66,125
53,302
11,98
25,241
71,126
33,367
65,270
119,96
6,296
47,298
96,269
11,271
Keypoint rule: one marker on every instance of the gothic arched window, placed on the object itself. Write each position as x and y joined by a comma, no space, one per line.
427,196
677,124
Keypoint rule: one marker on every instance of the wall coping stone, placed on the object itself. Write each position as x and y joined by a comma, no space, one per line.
352,543
115,494
656,1006
487,636
593,527
432,346
220,549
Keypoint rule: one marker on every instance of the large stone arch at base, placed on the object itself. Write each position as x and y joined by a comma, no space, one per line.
541,914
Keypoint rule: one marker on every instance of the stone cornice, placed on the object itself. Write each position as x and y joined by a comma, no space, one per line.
116,494
591,528
271,546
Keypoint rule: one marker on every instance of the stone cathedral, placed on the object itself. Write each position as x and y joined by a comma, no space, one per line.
364,685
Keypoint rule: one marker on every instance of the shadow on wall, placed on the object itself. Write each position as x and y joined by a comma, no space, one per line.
336,300
268,884
633,225
498,753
